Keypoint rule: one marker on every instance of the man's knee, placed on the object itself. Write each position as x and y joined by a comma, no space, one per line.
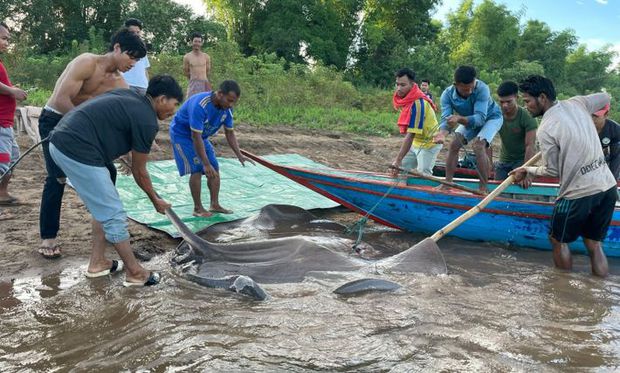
457,143
479,146
115,228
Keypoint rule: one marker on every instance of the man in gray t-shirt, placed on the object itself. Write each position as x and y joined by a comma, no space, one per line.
571,150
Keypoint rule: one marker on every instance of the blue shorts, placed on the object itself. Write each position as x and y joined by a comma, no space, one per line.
487,132
188,162
95,187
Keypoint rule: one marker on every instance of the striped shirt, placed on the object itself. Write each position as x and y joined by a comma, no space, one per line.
199,114
423,124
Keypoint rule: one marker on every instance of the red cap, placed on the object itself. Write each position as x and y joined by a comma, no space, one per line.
602,112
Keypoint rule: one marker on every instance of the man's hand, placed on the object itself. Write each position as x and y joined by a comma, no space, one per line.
526,182
439,138
19,94
520,174
453,120
243,159
160,205
394,169
209,171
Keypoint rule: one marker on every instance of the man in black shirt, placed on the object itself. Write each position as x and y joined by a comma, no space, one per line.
609,134
85,143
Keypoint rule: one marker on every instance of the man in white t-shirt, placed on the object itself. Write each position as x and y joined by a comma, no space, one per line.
138,77
571,150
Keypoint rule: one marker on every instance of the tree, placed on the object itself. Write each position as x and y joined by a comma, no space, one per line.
587,71
298,30
550,49
390,32
238,16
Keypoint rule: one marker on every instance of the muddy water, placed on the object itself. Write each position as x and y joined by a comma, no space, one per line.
497,310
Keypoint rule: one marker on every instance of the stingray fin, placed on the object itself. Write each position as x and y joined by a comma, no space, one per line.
366,285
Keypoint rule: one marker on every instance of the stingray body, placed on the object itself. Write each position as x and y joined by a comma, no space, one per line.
240,265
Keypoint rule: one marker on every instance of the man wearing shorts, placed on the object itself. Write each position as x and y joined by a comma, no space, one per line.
571,150
86,142
9,151
468,104
197,67
86,76
200,117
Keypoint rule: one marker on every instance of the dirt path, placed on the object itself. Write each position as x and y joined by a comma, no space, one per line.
19,236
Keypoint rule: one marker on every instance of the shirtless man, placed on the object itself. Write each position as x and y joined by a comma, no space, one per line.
197,67
87,76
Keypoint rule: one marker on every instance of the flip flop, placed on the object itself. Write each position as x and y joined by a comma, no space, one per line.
154,279
43,249
116,267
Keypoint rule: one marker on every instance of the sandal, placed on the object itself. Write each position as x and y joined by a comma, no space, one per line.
50,252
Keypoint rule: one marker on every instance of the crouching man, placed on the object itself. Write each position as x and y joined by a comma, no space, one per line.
86,142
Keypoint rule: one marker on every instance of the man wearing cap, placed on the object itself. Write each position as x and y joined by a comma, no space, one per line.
609,134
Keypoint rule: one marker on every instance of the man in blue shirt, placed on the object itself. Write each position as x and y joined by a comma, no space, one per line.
468,104
200,117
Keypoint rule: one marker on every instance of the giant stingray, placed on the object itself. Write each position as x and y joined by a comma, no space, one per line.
240,266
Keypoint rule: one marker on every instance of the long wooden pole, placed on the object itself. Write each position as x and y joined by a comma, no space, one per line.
482,204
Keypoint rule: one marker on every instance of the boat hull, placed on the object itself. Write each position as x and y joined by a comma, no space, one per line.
422,208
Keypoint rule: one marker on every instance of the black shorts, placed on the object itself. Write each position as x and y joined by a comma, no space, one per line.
588,217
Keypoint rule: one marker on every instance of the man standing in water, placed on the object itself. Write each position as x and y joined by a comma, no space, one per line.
571,150
87,76
9,151
197,67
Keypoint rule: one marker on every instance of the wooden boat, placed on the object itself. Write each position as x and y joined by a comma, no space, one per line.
517,217
472,173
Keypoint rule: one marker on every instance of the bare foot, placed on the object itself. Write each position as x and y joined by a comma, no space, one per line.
442,187
202,213
484,191
220,209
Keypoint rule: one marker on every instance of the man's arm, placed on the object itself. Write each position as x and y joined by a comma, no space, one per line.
234,145
208,66
147,65
404,148
446,110
199,148
141,175
593,102
481,106
186,66
71,81
530,145
550,157
18,94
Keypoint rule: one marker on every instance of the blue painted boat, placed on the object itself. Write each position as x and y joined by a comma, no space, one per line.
517,217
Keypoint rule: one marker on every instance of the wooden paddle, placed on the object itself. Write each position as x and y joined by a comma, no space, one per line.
440,181
431,242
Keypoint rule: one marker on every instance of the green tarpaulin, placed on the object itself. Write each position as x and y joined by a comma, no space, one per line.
245,190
